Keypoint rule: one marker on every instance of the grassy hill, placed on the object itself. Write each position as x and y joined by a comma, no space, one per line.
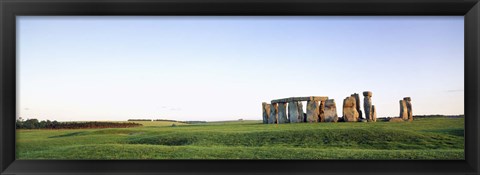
424,138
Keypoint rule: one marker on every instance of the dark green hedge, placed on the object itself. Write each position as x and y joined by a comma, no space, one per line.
35,124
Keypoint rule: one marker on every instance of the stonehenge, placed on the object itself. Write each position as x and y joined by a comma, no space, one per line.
322,109
367,106
357,103
313,111
350,112
273,113
409,108
301,114
266,112
330,111
351,108
405,111
292,112
278,110
282,113
373,117
295,112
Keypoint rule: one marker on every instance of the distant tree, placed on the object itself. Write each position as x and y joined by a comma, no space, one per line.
54,124
139,120
48,124
19,124
35,124
42,124
30,124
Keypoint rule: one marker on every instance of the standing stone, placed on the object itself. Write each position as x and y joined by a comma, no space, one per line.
350,113
403,110
367,105
292,112
301,116
321,111
266,112
282,113
295,115
330,111
374,114
357,103
273,113
312,111
409,108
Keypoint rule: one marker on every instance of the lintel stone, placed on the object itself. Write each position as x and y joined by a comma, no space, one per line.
295,99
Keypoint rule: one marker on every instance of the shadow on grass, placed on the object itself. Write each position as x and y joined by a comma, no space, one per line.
69,134
455,132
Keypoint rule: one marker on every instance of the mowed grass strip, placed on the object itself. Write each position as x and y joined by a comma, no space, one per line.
426,138
128,152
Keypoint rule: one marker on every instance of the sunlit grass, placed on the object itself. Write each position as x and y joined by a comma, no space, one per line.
425,138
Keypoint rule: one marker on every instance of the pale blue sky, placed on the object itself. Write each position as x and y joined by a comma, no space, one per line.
223,68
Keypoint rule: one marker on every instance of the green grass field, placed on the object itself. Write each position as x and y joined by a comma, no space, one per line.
424,138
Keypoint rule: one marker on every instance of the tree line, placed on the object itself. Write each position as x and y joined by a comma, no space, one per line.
47,124
149,120
167,120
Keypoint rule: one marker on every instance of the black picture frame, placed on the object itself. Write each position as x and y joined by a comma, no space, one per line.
9,9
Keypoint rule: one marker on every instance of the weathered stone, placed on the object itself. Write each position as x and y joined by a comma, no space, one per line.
301,117
330,111
319,98
357,103
321,111
403,110
367,104
265,112
409,108
291,99
295,112
350,113
367,93
374,114
396,119
282,113
312,111
292,112
273,113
